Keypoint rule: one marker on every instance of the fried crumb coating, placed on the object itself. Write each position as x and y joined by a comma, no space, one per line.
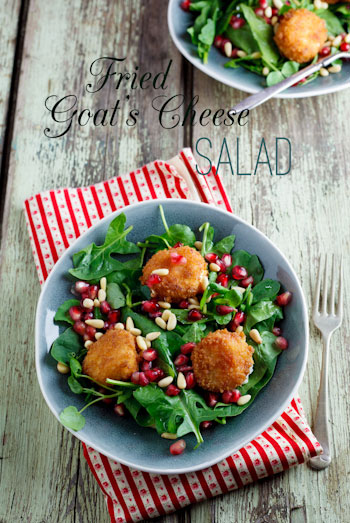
222,360
183,281
114,356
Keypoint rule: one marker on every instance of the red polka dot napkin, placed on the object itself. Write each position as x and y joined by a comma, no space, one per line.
55,219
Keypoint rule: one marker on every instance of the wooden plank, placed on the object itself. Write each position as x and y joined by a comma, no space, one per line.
43,474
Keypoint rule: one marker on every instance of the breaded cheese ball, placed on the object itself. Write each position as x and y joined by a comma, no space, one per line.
222,361
300,35
114,356
183,281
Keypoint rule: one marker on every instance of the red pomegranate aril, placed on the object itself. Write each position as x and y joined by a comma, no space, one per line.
190,380
108,401
143,380
135,378
159,373
185,5
151,375
274,11
259,11
277,331
178,244
281,343
214,295
88,315
79,327
221,264
239,272
150,354
75,313
90,331
237,22
146,365
187,348
184,304
172,390
181,359
224,309
81,286
263,4
231,396
345,47
178,447
283,299
106,325
119,409
239,317
92,292
206,425
234,53
113,316
247,281
154,315
105,307
211,257
153,280
226,260
177,259
184,368
267,20
222,279
218,41
194,315
212,400
149,306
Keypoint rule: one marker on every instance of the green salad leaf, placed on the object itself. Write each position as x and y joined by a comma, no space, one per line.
263,35
333,24
266,290
225,245
251,262
66,346
62,311
115,296
72,419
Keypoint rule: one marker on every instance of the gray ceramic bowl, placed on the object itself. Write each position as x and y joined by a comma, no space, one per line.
179,21
122,439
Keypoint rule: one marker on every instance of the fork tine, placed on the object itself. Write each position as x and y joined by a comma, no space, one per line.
332,299
340,291
325,287
318,288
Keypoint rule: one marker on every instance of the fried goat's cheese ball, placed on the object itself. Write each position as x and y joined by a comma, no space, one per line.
185,270
114,356
300,35
222,361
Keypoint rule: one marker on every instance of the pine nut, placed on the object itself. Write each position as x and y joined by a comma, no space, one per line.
103,283
274,20
96,323
164,382
256,55
241,53
337,41
153,293
275,28
98,335
172,322
324,72
102,295
214,267
265,71
277,3
347,39
335,68
327,44
88,304
205,281
255,336
228,49
161,323
164,305
152,336
193,301
166,315
168,435
239,329
161,272
181,381
148,343
244,399
129,323
96,303
88,343
318,4
198,245
191,307
239,289
62,368
141,343
119,326
135,332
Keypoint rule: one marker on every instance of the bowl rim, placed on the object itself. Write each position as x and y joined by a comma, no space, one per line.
236,84
220,456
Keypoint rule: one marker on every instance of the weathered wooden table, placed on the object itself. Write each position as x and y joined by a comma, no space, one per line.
47,48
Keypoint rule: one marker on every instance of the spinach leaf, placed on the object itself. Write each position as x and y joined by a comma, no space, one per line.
263,34
180,233
66,346
290,68
333,24
62,312
182,317
94,261
222,320
250,262
243,38
75,386
266,290
225,245
194,333
259,312
115,296
208,236
231,297
140,414
75,367
72,419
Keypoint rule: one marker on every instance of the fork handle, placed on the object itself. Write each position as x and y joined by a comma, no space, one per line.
320,427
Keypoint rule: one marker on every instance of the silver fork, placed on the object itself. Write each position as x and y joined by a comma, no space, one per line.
327,319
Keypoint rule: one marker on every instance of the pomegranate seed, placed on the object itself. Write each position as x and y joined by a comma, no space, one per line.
154,315
111,326
263,4
143,380
194,315
181,359
81,286
184,368
277,331
113,316
178,244
325,51
234,53
105,307
185,5
151,375
79,327
153,280
283,299
231,396
119,409
281,343
178,447
224,41
239,272
187,348
222,279
267,20
106,325
259,11
218,41
92,292
212,400
184,304
146,365
177,259
83,296
274,11
215,295
345,47
88,315
227,260
237,320
75,313
211,257
159,373
206,425
190,380
150,354
236,22
221,264
90,331
247,281
224,309
172,390
149,306
135,378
